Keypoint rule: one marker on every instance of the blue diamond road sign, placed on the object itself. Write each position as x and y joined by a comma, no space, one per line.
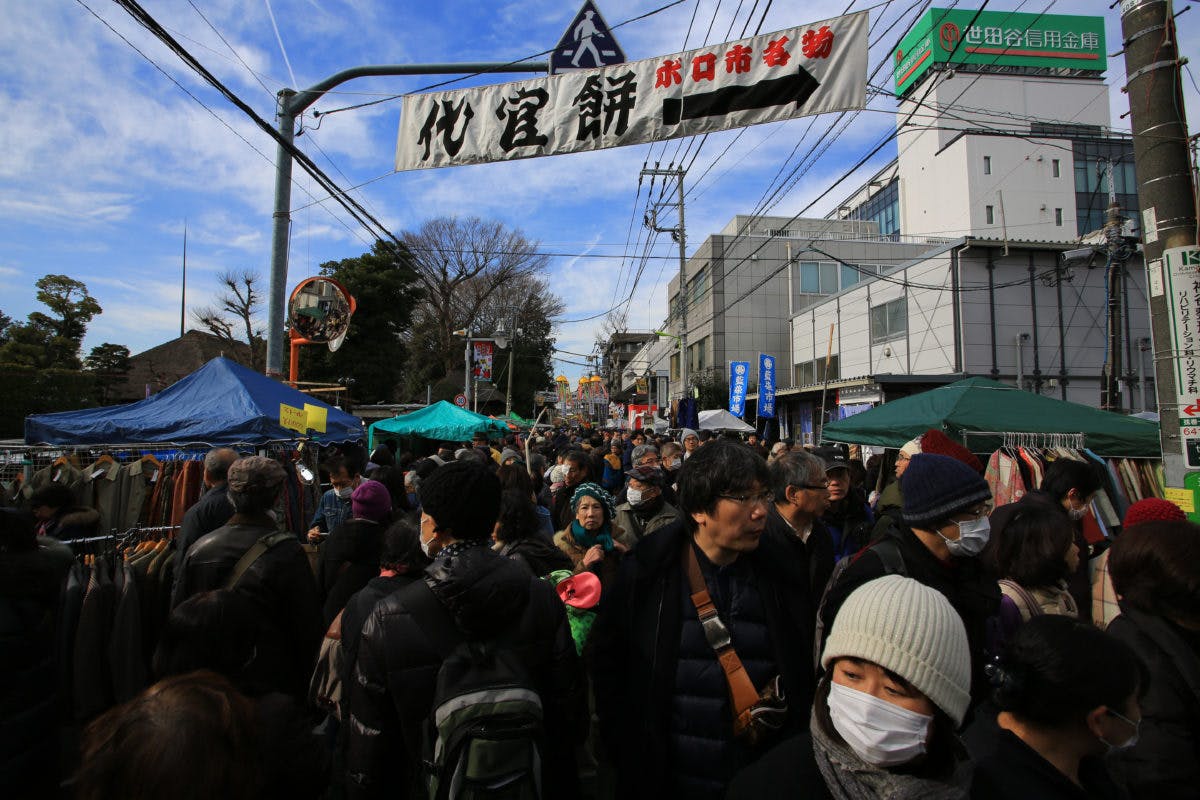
588,43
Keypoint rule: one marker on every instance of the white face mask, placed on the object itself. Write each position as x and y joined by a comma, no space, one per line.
972,538
344,492
881,733
1078,513
634,496
427,547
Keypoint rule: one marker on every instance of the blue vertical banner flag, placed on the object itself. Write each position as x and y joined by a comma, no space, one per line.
766,386
739,377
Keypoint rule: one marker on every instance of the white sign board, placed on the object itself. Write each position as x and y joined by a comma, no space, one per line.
1182,275
810,69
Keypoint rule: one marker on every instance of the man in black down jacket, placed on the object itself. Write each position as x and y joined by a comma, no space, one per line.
945,504
488,597
213,509
280,581
661,694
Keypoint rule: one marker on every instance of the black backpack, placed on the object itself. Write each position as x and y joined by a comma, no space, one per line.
893,564
484,737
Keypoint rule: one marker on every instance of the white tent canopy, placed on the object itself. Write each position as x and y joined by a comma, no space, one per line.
718,419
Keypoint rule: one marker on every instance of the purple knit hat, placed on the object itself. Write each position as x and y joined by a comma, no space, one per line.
372,501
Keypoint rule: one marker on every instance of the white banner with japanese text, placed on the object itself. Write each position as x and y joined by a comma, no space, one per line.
810,69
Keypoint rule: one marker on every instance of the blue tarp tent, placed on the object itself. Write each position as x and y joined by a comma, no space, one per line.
220,403
441,420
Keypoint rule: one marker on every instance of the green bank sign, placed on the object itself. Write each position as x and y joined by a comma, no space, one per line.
1001,39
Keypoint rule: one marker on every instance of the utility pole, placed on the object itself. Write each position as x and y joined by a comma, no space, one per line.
1166,193
679,233
1110,389
291,104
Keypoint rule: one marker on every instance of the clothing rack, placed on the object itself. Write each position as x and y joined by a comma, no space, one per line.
1070,441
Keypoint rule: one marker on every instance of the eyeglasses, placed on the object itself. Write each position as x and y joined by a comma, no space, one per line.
763,498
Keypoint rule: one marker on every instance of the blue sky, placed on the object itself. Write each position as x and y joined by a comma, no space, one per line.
104,157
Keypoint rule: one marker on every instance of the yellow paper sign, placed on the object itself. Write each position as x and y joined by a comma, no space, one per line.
293,418
316,417
1184,498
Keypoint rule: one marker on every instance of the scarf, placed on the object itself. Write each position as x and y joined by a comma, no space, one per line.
586,539
848,777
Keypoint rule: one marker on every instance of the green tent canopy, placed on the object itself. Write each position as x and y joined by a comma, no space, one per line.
442,420
979,404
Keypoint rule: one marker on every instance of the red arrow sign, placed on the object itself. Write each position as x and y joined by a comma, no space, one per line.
1193,409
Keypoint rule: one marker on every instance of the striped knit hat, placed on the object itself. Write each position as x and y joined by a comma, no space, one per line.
906,627
937,487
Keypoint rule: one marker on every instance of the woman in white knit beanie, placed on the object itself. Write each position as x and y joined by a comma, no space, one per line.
896,687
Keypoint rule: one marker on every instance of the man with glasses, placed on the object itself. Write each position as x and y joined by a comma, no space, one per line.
661,689
801,496
946,506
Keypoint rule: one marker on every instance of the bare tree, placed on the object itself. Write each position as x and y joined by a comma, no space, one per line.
237,307
462,263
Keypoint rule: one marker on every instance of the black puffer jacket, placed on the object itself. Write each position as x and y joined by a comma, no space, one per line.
540,556
637,640
964,582
281,584
30,582
488,597
1165,763
349,558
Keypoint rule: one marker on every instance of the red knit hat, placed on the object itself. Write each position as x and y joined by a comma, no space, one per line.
1153,509
937,443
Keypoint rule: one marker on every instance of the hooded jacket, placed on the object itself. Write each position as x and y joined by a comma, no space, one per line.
489,597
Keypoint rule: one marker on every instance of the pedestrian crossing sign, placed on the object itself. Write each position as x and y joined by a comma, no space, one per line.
587,43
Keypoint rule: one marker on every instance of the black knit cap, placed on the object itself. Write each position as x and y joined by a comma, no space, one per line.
462,497
938,487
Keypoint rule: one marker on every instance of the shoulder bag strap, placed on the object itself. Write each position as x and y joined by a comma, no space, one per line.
741,688
256,551
1027,604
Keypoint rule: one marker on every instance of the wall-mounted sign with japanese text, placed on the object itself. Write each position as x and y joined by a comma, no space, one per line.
998,39
739,376
766,386
810,69
481,361
1181,273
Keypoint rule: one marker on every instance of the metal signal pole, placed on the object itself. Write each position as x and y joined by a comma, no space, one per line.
679,233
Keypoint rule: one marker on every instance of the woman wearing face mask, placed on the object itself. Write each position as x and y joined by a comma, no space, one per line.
946,527
592,540
1155,569
1033,557
896,685
1066,695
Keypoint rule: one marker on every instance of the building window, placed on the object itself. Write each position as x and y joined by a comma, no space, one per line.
812,372
889,321
698,355
987,165
1058,217
698,285
883,207
674,314
675,366
989,215
1055,168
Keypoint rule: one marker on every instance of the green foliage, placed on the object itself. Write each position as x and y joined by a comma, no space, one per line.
385,288
26,390
109,363
52,340
711,390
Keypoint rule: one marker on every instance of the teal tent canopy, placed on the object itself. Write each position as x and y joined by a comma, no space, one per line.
441,420
979,404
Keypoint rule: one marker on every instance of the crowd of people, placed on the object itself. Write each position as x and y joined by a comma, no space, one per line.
583,614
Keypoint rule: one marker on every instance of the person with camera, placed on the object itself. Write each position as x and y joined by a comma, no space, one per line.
696,667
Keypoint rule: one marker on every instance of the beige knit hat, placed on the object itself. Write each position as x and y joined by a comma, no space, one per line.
912,630
912,447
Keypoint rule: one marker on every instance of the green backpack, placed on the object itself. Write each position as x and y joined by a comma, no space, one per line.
485,736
